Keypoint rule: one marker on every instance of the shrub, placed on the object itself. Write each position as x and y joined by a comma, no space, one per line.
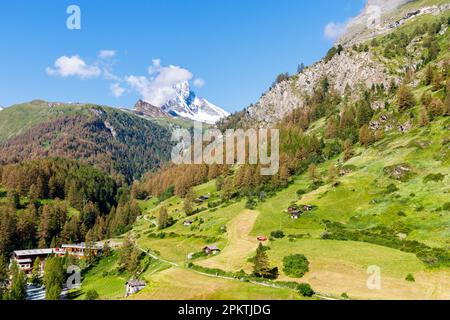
434,177
91,295
410,278
344,296
391,188
295,265
251,204
305,290
278,234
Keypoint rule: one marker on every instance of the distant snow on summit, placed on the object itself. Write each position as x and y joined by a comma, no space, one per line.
186,104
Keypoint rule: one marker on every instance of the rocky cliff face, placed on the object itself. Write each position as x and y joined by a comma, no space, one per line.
147,109
349,68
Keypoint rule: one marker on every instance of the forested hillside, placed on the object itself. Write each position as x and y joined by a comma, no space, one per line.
53,201
115,141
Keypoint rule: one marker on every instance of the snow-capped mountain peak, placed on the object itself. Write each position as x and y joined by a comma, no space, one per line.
187,104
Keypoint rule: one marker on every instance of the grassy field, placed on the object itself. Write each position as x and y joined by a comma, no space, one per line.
240,245
181,284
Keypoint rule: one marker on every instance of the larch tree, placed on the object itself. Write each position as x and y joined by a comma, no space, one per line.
261,267
163,219
405,98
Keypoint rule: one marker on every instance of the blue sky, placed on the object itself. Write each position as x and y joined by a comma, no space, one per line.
232,49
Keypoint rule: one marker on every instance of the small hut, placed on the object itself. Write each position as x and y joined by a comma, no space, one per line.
188,223
134,286
211,249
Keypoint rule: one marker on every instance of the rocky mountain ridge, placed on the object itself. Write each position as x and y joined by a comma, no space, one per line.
346,69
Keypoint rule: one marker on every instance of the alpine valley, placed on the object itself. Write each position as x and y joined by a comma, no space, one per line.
359,209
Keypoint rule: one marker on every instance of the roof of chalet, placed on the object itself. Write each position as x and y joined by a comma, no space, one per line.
33,252
212,247
136,283
83,245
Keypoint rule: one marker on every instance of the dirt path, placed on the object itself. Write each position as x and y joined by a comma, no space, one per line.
240,245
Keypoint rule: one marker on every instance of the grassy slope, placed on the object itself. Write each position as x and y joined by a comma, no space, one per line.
336,266
18,119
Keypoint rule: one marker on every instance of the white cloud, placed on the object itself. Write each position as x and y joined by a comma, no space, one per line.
116,90
109,75
334,31
106,54
199,82
158,88
73,67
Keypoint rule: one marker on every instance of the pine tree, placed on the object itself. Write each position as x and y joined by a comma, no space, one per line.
53,278
437,81
436,108
133,262
261,266
188,202
4,276
36,273
163,219
424,119
18,283
405,98
312,172
228,189
332,173
429,74
348,150
365,135
219,183
331,130
364,111
14,199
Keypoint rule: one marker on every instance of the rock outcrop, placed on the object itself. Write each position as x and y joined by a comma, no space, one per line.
349,68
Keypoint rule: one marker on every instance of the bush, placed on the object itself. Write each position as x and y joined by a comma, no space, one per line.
305,290
410,278
251,204
391,188
295,265
434,177
91,295
278,234
345,296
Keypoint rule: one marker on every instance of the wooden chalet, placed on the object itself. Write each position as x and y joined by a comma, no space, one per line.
25,258
134,286
188,223
296,214
83,250
201,199
211,250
